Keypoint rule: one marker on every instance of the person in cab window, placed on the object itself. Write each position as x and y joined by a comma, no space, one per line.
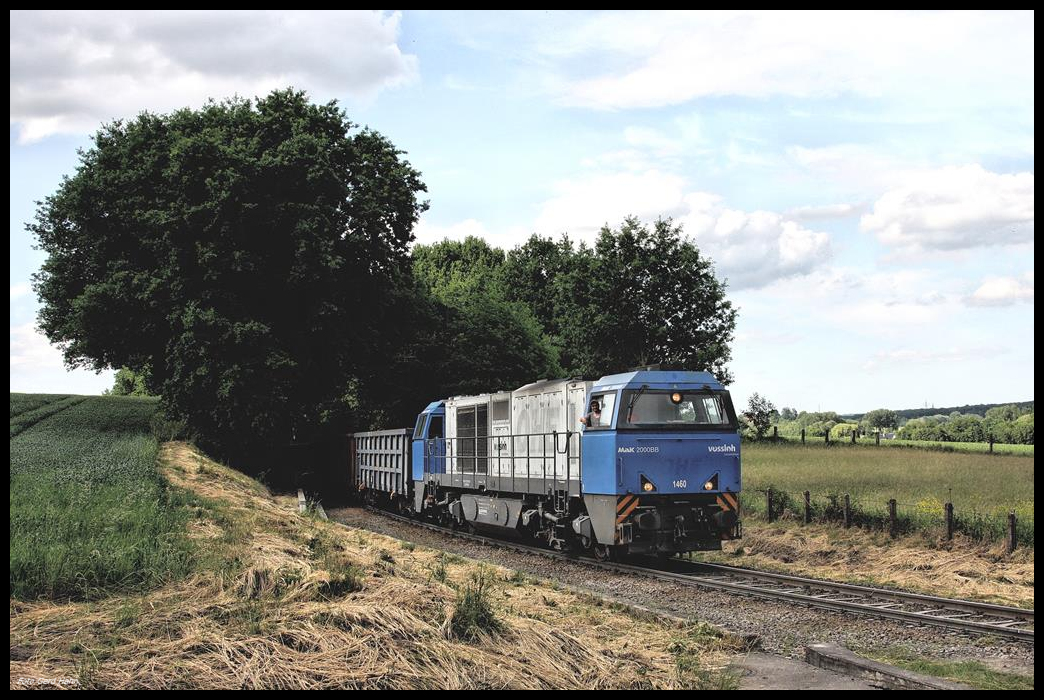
594,415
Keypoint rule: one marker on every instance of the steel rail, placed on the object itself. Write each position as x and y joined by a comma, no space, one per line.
902,606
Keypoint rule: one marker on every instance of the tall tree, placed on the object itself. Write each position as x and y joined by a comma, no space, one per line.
759,414
880,418
642,295
243,252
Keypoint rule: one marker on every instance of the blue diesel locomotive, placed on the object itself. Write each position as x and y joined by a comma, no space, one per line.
655,469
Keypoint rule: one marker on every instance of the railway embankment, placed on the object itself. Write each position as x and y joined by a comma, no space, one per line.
280,599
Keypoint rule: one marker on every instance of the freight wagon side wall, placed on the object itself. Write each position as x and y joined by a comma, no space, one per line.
380,460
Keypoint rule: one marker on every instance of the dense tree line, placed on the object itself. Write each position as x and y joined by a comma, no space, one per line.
641,295
1008,424
251,263
1011,423
978,409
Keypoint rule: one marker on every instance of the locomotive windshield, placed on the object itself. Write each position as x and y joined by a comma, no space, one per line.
654,408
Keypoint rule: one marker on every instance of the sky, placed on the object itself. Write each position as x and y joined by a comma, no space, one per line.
862,181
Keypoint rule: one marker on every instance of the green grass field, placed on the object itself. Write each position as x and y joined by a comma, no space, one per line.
983,488
89,513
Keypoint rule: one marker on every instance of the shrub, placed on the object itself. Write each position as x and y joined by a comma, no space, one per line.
474,615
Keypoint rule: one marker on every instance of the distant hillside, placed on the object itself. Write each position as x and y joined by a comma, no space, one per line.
978,409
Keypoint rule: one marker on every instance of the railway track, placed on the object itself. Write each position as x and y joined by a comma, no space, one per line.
913,608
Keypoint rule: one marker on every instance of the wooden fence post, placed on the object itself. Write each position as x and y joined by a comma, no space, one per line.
808,508
991,444
775,432
893,524
826,437
949,520
848,511
768,499
854,433
802,436
1011,532
878,438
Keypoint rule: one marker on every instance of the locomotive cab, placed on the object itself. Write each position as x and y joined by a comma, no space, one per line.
661,469
428,448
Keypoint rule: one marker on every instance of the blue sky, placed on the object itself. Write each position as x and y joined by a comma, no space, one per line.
864,181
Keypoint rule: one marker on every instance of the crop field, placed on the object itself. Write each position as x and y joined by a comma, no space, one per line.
983,488
89,513
22,403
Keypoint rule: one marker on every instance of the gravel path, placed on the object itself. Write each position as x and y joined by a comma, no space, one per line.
782,629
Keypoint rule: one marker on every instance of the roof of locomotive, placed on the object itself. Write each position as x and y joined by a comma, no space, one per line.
659,380
542,385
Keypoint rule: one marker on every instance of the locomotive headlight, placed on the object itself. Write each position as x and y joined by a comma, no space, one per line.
648,486
709,486
676,398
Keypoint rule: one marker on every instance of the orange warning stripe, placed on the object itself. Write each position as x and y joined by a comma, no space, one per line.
625,508
625,501
728,501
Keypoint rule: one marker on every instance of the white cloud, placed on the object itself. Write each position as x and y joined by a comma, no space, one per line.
656,59
1003,291
71,70
582,206
19,290
37,367
954,208
30,350
753,249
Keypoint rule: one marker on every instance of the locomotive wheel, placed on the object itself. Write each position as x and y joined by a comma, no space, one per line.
603,552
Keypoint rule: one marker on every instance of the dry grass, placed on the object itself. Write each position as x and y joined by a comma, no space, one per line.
961,569
283,600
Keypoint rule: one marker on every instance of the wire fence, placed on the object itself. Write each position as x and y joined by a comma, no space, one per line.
892,516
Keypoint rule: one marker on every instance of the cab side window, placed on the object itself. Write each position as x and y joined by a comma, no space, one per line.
607,402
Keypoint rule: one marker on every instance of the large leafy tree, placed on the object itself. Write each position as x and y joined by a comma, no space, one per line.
879,419
243,253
